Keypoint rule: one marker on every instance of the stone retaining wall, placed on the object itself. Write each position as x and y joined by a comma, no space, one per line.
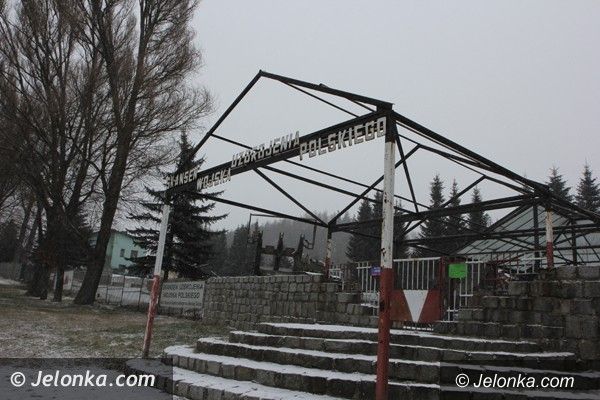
244,301
560,309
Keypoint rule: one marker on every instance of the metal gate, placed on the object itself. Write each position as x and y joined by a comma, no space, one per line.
417,279
461,290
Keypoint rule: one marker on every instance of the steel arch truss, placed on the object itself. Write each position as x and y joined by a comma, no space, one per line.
573,230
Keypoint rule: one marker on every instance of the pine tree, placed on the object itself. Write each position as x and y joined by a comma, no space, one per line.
360,247
435,227
219,257
456,225
238,255
188,247
477,220
558,185
588,191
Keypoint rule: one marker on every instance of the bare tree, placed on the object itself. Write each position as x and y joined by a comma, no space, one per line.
51,106
148,55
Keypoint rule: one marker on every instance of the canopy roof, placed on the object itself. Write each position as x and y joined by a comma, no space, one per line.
524,204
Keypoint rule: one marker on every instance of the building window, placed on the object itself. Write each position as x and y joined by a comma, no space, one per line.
134,254
122,253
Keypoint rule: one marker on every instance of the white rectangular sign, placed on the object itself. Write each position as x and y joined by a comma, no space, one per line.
187,295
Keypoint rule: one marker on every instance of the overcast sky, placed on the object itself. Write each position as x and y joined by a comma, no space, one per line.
517,81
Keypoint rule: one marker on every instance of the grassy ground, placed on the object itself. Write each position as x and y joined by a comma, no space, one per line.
31,327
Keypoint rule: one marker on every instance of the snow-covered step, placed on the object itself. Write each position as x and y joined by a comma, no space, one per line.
399,336
413,370
409,352
193,385
293,377
400,369
495,330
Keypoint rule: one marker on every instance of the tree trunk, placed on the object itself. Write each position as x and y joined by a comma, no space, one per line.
91,280
35,283
43,282
17,258
59,282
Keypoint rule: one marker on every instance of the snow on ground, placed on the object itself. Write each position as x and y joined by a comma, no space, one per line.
35,328
9,282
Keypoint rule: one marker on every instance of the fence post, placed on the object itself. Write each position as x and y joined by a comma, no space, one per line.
122,290
386,279
140,294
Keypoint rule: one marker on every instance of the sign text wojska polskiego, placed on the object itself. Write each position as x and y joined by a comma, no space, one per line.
284,147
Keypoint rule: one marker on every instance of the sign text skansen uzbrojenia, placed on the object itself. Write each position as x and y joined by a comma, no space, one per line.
288,144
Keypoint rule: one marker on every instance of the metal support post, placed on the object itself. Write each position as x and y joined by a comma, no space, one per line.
549,239
536,238
387,276
574,243
164,223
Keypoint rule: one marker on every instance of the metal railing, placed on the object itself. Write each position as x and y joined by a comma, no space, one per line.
461,290
426,272
121,291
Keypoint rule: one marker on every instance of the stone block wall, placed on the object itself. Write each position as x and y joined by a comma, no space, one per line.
559,309
245,301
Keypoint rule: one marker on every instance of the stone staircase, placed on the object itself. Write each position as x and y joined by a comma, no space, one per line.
560,310
313,361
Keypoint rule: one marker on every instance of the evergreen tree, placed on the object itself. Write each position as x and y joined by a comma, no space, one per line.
558,185
188,246
239,257
456,224
218,260
588,191
477,220
360,247
400,248
434,227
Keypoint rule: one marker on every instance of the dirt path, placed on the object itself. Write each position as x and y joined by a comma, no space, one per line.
31,327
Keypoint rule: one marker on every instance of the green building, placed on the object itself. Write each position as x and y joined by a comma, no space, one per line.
120,248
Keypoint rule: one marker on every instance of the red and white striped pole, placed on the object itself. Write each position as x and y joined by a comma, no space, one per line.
153,303
386,280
